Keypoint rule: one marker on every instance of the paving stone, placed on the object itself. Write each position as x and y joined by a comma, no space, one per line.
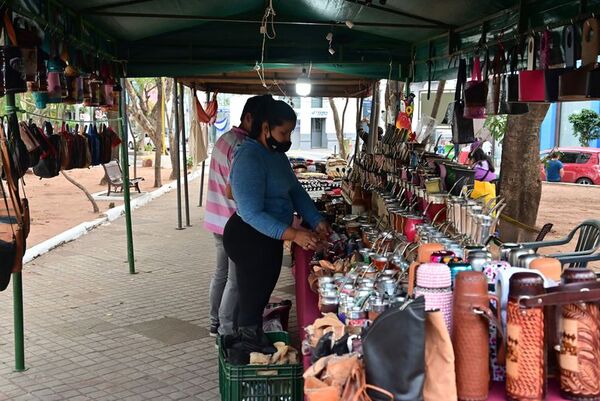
95,332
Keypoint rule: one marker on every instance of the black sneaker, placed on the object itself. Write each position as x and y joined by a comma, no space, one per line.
214,329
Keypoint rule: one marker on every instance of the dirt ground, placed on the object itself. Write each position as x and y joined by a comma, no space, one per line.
566,206
57,205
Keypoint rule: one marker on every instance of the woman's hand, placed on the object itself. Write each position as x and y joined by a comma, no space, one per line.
308,240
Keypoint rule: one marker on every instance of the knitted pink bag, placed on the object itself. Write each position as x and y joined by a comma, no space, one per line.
435,284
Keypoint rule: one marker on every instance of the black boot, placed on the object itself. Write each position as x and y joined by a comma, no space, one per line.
255,340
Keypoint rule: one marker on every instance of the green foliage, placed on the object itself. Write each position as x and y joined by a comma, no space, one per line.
497,126
586,126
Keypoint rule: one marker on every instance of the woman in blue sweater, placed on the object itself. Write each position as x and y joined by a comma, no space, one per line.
266,193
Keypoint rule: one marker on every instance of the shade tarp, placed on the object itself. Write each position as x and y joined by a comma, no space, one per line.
196,37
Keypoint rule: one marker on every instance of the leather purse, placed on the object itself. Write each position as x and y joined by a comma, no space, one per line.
440,378
509,91
12,60
531,81
525,351
475,91
582,83
495,82
470,337
394,351
551,75
462,128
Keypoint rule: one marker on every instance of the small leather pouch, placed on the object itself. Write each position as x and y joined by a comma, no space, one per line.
470,337
531,81
525,352
462,128
476,91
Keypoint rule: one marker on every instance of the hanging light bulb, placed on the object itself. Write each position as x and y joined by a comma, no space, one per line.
303,85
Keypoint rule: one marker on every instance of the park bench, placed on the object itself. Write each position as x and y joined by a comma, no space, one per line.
114,178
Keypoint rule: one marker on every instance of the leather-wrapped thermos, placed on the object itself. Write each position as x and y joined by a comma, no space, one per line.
580,342
470,337
394,352
525,368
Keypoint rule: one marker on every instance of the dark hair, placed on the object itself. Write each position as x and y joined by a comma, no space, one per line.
555,155
252,104
479,155
274,112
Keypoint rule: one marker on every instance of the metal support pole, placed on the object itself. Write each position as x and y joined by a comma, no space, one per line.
17,279
125,167
177,155
201,198
186,194
374,123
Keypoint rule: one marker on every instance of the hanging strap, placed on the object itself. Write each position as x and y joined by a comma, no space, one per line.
476,69
9,29
12,187
545,43
564,294
531,53
461,78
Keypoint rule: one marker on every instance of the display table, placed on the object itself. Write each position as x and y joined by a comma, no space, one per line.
307,311
307,301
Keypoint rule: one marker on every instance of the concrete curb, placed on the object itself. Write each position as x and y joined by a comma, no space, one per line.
110,215
570,184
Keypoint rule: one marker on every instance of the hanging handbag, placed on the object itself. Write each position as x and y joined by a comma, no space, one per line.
475,91
462,128
579,348
12,60
509,90
582,83
525,367
551,75
493,94
531,81
394,351
470,336
440,379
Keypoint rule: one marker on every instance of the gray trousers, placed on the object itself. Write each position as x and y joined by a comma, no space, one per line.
223,294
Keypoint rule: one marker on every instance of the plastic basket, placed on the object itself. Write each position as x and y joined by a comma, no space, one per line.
260,382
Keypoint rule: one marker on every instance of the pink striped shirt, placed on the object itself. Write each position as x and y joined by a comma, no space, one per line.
219,208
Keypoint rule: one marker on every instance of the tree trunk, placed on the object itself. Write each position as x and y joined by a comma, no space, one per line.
339,130
520,183
157,165
85,191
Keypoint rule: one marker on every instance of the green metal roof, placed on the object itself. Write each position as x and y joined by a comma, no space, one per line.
195,37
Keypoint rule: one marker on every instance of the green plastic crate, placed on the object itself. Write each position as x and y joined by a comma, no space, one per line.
260,382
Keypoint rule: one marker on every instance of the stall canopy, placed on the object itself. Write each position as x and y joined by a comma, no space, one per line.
371,38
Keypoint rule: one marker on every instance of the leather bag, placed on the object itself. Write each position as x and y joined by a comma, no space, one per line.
509,90
462,128
582,83
394,351
12,60
525,352
440,378
494,85
475,91
470,336
531,81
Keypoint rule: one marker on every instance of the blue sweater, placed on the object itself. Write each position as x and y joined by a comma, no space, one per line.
267,192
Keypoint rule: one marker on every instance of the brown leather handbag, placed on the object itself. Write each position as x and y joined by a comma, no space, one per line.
525,367
579,84
440,378
470,336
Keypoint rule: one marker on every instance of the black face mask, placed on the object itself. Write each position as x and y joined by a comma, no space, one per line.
277,146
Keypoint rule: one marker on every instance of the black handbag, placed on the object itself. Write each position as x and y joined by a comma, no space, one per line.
394,352
462,128
509,91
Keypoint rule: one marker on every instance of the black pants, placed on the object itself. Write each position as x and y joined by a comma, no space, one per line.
257,261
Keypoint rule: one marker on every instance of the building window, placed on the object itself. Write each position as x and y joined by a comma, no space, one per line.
316,102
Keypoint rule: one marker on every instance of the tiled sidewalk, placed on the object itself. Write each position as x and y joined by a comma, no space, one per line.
95,332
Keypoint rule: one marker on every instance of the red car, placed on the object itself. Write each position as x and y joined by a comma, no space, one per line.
581,165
